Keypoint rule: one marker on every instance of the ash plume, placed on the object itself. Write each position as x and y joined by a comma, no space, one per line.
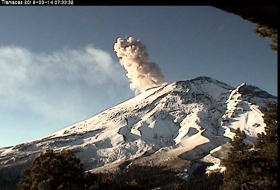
135,60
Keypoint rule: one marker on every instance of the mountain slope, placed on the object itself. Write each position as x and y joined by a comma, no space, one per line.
186,119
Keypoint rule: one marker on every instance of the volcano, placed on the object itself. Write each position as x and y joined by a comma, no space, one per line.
184,120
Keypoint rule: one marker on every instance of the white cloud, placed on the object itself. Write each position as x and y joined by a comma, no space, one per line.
53,84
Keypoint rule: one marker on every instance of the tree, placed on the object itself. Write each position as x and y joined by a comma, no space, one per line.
53,171
266,147
237,164
270,136
266,32
254,168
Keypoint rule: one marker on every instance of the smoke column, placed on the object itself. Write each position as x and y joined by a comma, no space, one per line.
134,58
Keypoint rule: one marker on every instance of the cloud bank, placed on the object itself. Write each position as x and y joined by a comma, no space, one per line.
135,60
53,84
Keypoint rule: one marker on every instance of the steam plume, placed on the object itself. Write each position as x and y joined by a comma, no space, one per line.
134,58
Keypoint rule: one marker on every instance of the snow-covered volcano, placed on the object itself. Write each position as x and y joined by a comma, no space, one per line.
187,119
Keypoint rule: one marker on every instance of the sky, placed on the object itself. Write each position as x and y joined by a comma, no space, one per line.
58,65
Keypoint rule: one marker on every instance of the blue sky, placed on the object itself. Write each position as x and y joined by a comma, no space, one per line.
58,65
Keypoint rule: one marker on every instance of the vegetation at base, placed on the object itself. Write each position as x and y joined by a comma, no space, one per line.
137,177
63,170
8,181
200,182
53,171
